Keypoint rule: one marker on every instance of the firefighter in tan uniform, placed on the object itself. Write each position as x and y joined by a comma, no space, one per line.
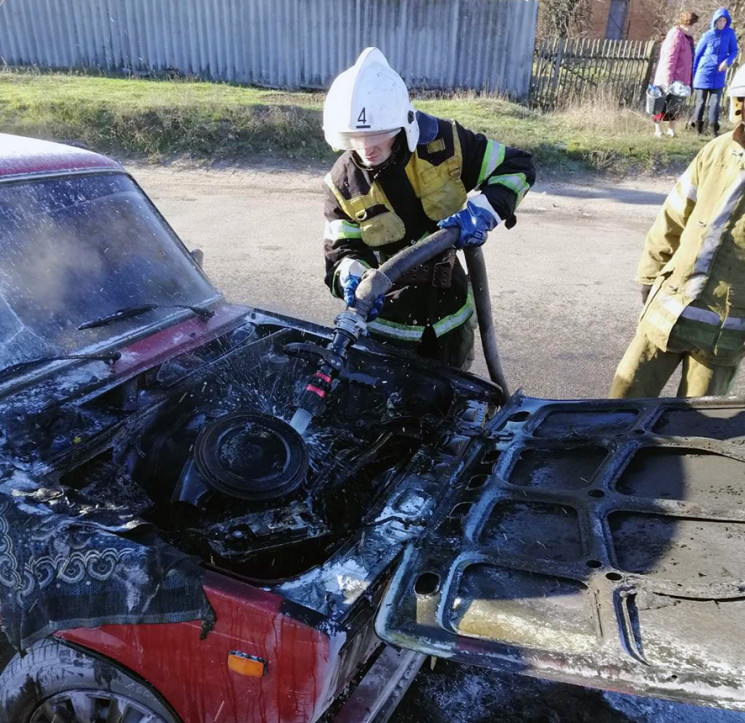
404,173
692,273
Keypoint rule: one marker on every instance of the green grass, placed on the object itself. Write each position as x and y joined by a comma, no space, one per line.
162,120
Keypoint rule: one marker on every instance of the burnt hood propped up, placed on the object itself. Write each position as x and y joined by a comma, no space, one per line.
596,542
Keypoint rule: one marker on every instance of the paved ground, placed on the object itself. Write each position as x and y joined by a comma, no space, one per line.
565,306
563,293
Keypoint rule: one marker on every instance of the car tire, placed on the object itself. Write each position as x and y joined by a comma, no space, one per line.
57,682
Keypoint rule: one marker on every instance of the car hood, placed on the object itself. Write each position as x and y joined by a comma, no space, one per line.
594,542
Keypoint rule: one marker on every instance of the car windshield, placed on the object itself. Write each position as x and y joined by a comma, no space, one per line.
78,247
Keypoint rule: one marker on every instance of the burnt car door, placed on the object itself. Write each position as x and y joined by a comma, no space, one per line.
594,542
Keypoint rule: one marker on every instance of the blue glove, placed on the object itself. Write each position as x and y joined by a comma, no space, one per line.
349,280
349,285
474,222
376,308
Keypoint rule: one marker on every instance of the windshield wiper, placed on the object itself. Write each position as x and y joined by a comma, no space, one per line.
129,311
109,358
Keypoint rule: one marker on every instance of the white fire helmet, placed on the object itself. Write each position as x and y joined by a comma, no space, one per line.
736,93
370,98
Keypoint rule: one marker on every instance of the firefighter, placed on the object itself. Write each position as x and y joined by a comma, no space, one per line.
692,273
403,174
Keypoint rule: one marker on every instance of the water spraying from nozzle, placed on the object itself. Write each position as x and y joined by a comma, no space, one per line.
349,327
300,420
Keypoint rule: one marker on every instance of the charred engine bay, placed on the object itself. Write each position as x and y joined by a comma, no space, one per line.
199,446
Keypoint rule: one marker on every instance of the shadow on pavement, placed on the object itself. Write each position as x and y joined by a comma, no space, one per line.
453,693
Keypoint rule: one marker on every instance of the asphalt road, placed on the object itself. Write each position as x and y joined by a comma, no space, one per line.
562,281
565,305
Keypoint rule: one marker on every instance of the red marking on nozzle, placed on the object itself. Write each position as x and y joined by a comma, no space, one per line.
325,378
315,390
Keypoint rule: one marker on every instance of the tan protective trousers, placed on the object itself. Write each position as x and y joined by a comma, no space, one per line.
645,369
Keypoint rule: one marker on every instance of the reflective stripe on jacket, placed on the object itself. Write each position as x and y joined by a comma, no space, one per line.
694,256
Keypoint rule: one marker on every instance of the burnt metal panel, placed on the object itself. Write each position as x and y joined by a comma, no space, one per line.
481,45
595,542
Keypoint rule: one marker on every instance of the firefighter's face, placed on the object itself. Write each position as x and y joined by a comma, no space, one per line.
373,148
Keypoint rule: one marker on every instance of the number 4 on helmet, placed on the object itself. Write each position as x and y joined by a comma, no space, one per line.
368,98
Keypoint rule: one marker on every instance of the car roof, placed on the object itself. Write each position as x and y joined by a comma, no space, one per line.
21,156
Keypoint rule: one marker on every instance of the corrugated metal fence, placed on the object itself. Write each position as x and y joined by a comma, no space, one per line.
439,44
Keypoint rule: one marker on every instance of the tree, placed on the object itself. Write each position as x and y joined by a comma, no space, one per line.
564,18
670,9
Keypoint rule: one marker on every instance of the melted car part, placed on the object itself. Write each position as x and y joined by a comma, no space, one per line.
195,452
382,425
109,358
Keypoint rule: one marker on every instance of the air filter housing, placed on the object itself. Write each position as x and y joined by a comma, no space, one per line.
247,456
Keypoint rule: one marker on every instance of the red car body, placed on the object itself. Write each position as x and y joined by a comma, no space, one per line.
192,674
298,669
420,539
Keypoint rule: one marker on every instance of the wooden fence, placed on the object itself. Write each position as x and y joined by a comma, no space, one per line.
570,70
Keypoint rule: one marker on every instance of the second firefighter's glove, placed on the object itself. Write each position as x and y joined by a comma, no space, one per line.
474,222
350,275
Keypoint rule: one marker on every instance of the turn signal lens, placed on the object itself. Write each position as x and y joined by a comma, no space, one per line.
248,665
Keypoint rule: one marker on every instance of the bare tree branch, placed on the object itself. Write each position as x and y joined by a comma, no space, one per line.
565,18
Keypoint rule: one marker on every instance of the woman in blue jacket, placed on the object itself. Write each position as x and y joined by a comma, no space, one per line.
715,52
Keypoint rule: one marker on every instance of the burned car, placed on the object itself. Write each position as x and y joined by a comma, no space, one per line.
173,549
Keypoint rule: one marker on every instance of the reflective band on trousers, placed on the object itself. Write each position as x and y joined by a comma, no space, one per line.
453,321
407,332
713,240
395,331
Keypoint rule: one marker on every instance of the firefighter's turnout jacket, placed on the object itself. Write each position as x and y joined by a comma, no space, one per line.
373,213
694,256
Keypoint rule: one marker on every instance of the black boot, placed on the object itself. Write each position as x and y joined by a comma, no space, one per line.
715,129
699,127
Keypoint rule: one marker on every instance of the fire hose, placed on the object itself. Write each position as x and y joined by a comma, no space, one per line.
350,324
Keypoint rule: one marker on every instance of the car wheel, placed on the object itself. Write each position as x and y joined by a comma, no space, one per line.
56,683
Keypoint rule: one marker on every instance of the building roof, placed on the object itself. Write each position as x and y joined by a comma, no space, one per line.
21,156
